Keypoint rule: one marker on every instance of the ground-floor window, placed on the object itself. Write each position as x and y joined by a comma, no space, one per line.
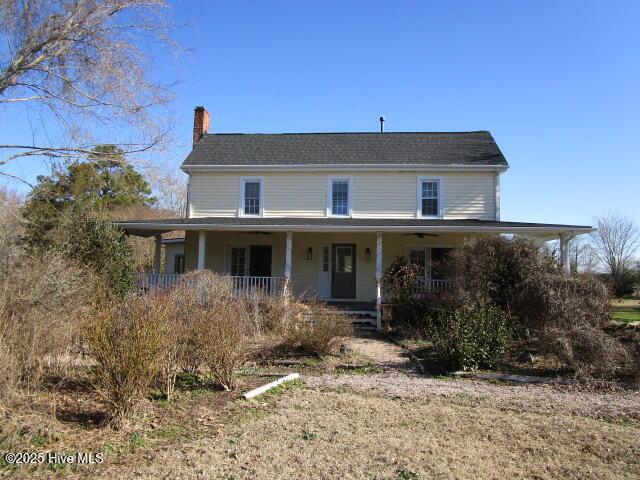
253,260
238,261
430,260
178,263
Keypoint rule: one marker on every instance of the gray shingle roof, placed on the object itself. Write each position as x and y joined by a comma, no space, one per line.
414,148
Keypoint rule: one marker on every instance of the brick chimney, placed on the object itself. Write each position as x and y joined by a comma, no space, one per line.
201,123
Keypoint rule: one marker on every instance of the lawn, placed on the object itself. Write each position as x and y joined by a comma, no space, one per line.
310,433
380,421
626,314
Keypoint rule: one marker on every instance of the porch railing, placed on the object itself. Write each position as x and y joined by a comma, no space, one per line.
241,285
157,281
269,285
433,284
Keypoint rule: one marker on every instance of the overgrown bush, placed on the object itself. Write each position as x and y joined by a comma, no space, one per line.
317,330
42,300
525,281
215,325
471,337
128,340
101,245
589,350
225,344
403,284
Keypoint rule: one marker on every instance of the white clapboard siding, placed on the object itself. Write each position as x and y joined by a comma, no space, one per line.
375,194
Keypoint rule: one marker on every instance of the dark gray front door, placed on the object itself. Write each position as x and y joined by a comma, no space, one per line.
260,260
343,271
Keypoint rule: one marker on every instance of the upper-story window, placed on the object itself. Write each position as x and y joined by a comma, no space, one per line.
339,196
429,198
251,197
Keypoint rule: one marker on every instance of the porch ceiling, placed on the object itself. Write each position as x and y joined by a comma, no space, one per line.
272,224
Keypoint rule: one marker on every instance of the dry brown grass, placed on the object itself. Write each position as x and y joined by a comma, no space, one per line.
361,426
335,434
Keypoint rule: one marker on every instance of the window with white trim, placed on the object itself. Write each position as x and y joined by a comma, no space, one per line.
251,197
238,261
429,197
339,197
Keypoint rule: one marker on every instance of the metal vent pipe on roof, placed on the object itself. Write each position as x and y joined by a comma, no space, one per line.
382,124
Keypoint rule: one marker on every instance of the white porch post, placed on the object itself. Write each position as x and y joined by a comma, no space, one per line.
564,252
287,264
202,245
378,280
156,256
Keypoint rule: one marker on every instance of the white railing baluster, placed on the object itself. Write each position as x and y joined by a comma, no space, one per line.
242,285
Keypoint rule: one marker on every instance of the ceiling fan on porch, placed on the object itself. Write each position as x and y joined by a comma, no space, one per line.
422,235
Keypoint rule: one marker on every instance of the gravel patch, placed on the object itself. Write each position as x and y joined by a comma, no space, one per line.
401,379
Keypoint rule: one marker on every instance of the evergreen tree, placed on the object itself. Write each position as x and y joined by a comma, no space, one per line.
105,182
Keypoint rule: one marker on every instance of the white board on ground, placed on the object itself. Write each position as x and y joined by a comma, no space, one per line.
257,391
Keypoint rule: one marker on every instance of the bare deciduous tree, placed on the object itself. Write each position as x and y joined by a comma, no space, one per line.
77,67
582,257
615,241
169,186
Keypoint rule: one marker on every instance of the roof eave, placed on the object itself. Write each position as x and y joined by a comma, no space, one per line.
343,166
539,230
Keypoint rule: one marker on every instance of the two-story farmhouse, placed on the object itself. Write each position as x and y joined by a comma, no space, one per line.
322,214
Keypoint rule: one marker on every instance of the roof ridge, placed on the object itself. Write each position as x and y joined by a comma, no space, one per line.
355,133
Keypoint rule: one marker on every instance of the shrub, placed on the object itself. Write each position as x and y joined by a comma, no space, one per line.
101,245
401,281
203,289
267,313
589,350
128,340
471,337
625,283
520,278
317,330
197,293
225,345
41,300
214,325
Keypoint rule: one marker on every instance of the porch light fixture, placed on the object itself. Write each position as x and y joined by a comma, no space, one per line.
309,253
367,254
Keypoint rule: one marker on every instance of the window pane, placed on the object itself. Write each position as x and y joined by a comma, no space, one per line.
325,259
344,260
252,198
430,207
438,257
238,256
430,198
340,197
430,189
419,258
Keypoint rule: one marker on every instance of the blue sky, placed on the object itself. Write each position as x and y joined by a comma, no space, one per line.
557,83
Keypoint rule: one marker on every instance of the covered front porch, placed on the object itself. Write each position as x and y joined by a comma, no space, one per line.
340,261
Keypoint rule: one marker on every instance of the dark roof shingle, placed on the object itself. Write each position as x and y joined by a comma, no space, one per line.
408,148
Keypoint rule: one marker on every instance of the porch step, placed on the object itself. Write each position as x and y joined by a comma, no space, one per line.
363,319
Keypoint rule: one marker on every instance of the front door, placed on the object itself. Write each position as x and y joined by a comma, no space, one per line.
343,271
260,260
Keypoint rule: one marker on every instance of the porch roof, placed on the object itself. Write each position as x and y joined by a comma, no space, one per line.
329,224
